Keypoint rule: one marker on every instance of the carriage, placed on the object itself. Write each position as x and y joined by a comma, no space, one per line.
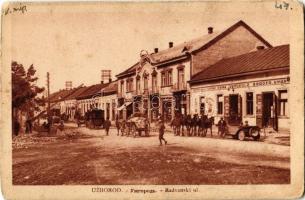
92,119
135,124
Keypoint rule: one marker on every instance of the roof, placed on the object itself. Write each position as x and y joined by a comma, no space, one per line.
112,88
260,61
77,92
200,43
60,95
92,91
130,71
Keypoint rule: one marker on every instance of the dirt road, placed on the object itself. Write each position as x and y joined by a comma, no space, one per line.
98,159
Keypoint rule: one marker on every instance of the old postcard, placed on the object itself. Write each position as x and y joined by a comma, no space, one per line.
152,100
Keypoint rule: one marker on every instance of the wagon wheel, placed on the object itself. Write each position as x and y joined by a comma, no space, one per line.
241,135
133,130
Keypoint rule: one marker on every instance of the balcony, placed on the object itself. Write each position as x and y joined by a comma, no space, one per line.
177,87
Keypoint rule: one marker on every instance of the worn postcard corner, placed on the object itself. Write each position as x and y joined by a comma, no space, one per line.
152,100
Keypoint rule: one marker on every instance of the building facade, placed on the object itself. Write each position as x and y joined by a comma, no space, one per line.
158,83
252,87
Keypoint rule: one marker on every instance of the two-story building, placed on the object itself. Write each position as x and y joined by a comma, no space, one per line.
158,83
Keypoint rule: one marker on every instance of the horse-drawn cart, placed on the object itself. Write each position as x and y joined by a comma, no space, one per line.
135,125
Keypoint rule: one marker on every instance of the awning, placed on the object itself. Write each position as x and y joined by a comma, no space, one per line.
127,103
124,106
121,107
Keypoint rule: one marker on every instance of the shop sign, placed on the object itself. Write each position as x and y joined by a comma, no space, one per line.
244,85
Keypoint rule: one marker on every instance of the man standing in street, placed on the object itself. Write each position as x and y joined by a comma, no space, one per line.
107,125
161,128
222,125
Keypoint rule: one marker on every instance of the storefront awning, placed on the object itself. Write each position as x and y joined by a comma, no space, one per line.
121,107
128,103
124,106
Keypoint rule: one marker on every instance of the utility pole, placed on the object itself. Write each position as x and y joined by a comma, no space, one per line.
48,93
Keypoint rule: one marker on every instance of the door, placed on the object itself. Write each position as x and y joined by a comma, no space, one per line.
235,111
259,110
167,110
268,109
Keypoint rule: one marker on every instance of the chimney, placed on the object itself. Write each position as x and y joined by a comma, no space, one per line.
102,82
110,80
105,75
156,50
210,30
68,85
170,44
260,47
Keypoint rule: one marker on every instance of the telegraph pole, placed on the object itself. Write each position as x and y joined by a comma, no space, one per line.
48,93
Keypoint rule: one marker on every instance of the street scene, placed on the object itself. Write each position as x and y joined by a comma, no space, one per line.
88,157
195,101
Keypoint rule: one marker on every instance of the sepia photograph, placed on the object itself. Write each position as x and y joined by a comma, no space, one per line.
153,98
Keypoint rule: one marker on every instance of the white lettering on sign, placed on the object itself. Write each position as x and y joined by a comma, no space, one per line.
243,85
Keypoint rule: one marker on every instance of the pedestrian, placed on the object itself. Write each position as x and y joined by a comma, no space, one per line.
117,124
107,125
222,125
161,128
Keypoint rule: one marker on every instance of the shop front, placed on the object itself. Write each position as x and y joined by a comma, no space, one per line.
260,101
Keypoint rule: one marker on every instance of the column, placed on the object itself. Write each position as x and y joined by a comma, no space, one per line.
188,103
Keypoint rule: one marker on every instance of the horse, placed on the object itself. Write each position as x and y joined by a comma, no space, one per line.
183,123
176,123
208,124
195,125
188,123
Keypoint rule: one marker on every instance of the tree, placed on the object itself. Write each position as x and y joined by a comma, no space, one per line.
25,91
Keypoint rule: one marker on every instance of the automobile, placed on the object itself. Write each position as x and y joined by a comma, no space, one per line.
247,131
137,123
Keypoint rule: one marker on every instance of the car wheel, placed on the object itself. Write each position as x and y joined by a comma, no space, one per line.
255,133
241,135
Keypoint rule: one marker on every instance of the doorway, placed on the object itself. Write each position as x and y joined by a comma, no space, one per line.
269,110
235,109
167,110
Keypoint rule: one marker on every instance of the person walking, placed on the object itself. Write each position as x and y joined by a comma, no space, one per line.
107,125
161,128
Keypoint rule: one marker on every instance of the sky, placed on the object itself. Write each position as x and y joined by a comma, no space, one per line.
74,42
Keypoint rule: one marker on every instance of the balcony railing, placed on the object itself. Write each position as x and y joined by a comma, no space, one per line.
179,87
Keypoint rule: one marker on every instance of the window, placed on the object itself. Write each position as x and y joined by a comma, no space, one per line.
283,103
220,104
122,87
145,82
180,77
166,78
170,77
138,84
154,82
129,85
249,103
163,81
202,105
